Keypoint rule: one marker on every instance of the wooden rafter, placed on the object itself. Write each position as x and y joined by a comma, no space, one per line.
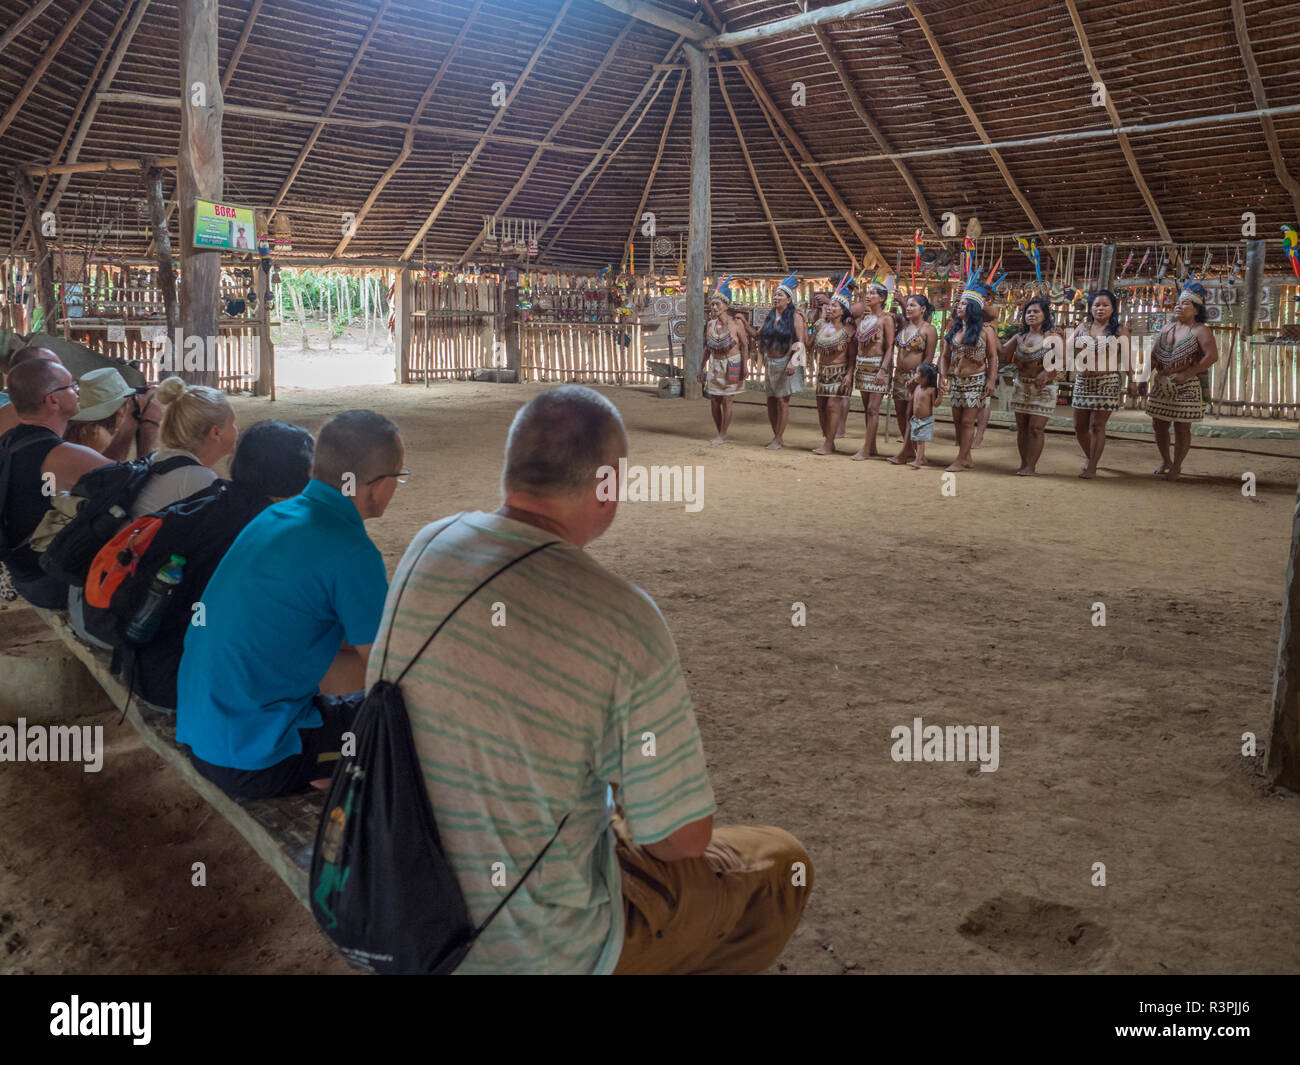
994,154
486,136
1122,138
42,65
556,126
319,128
781,27
1261,103
661,17
654,170
873,127
240,45
25,20
873,253
753,174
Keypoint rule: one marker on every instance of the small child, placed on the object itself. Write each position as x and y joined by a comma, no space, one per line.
925,389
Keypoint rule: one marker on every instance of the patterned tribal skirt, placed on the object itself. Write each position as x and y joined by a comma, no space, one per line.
723,376
778,382
830,379
1028,399
902,394
864,376
1096,392
968,391
1175,403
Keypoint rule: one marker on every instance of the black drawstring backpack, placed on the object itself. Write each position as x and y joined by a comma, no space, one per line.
382,889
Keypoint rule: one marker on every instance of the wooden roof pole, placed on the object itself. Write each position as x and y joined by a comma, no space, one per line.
1261,103
753,175
697,239
42,65
319,128
468,165
873,127
1124,146
11,34
654,170
408,141
119,53
661,17
795,23
238,53
998,161
556,126
873,253
795,168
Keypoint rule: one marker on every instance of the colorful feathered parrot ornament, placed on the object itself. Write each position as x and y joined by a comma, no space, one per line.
1291,245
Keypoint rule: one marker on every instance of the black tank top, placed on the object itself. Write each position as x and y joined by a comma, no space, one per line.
25,505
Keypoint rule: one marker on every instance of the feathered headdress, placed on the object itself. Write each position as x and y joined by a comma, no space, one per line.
843,294
790,286
723,291
980,291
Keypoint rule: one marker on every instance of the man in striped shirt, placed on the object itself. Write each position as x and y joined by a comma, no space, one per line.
554,687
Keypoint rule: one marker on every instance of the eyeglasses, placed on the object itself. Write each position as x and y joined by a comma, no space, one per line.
74,386
401,478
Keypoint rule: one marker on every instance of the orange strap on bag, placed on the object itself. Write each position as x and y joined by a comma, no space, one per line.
118,559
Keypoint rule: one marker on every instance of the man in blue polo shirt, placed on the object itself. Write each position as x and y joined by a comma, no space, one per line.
290,613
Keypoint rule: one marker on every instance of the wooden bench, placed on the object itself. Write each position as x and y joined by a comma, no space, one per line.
282,831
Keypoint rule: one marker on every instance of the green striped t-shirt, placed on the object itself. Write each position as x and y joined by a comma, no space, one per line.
555,681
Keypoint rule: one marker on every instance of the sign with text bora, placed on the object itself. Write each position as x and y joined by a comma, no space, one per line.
223,226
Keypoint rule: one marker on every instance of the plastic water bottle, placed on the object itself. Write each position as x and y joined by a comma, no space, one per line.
144,626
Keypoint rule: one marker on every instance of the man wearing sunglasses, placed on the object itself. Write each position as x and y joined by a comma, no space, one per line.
40,463
270,683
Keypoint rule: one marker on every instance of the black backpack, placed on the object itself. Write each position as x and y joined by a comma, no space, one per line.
382,889
7,450
108,493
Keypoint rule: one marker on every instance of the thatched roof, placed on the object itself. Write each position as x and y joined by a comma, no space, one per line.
1020,66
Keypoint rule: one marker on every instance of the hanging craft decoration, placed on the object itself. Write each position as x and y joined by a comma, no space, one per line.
1291,244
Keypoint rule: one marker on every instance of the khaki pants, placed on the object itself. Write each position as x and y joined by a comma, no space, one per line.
730,911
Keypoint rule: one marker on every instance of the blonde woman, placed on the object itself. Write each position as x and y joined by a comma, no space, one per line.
198,423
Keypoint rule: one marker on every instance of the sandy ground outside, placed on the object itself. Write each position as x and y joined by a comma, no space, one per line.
1119,744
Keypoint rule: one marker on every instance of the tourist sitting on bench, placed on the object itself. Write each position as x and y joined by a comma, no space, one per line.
559,680
44,397
271,681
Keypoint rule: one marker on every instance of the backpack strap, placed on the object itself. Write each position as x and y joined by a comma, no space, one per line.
176,462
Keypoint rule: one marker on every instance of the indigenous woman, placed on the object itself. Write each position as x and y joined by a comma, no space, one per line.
781,342
916,342
725,344
836,349
821,301
873,373
1184,349
1034,398
1098,342
968,367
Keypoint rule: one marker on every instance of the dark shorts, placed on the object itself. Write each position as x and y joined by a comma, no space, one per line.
316,760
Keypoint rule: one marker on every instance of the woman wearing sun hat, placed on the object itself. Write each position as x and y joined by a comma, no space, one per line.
105,404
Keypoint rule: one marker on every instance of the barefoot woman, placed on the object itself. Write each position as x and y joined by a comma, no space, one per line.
723,374
915,345
969,368
1184,349
836,349
1034,398
1098,387
781,341
873,374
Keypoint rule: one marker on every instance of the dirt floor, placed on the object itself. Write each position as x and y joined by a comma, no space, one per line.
1118,744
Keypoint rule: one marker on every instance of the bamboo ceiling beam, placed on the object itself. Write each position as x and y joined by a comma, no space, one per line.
556,126
994,154
1284,175
500,115
42,65
654,170
302,117
873,127
99,167
408,141
11,34
110,72
240,45
753,174
661,17
1117,124
342,88
782,27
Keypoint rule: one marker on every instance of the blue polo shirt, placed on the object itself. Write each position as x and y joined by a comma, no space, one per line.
299,581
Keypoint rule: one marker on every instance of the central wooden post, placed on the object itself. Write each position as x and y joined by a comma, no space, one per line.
200,172
697,249
163,242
